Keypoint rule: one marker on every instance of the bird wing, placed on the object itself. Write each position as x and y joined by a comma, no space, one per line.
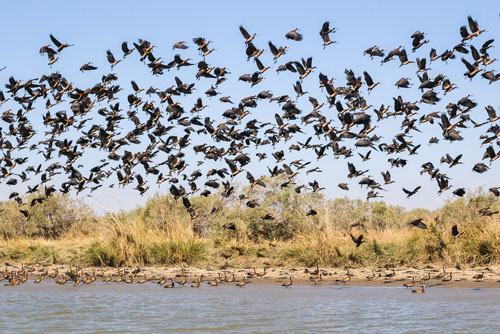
279,121
486,44
324,28
139,48
419,224
111,58
463,32
403,56
491,152
368,78
232,165
186,202
473,26
54,40
470,68
351,168
250,178
313,101
259,64
273,48
199,41
244,32
250,49
475,53
125,48
309,62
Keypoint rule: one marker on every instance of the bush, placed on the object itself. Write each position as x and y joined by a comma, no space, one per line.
100,254
178,251
56,216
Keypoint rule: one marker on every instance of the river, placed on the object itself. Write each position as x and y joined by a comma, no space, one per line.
149,308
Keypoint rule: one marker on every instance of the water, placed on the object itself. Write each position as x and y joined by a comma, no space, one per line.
148,308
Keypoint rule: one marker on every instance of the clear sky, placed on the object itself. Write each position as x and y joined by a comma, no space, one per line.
95,26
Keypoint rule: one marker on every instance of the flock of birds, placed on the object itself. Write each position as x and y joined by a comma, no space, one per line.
163,133
77,276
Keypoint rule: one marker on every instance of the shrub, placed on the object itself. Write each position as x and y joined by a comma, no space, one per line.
56,216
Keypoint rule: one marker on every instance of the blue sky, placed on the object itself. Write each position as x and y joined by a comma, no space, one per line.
95,27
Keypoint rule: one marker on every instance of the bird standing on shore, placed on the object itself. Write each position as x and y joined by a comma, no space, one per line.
288,283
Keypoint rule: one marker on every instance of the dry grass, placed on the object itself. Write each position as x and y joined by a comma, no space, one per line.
45,251
135,242
161,233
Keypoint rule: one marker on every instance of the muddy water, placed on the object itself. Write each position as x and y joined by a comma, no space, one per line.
148,308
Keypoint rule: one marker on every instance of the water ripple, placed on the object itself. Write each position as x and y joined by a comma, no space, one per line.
105,308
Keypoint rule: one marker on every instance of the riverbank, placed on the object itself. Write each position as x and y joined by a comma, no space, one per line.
430,276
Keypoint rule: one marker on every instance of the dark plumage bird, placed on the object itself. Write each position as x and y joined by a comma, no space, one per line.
111,59
88,67
418,223
455,233
460,192
288,283
418,40
26,214
60,46
495,191
325,34
230,226
369,81
412,192
492,114
267,216
246,35
487,212
374,51
387,177
480,168
294,35
403,58
472,70
358,241
343,186
311,212
180,45
276,51
126,50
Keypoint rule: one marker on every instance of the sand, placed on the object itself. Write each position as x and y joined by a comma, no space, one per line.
430,276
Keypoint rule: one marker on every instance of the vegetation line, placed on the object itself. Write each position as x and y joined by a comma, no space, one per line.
306,229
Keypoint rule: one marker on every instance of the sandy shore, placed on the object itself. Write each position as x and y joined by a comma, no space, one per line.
428,276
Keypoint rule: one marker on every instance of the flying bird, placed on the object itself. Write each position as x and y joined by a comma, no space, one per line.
418,223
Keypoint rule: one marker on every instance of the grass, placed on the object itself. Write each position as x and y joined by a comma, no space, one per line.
135,242
162,234
25,250
178,251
